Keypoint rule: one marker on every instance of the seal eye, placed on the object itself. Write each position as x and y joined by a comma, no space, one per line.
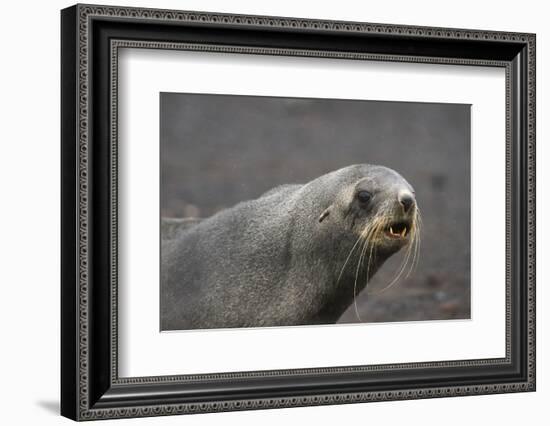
364,196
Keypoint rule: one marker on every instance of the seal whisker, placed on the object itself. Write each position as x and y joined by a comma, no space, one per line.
359,264
415,229
418,226
348,258
417,234
378,226
412,247
364,235
367,233
402,268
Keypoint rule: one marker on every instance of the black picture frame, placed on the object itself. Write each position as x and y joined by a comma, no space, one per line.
90,386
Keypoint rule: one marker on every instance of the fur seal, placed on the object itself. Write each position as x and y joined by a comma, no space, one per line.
298,254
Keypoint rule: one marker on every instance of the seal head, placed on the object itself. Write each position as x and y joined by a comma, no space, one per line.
380,201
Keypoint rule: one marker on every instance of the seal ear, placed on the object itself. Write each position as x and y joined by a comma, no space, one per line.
324,214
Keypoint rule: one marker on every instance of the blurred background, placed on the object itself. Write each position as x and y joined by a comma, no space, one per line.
218,150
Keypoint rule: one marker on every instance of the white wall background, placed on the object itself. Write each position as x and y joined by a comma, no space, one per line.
29,212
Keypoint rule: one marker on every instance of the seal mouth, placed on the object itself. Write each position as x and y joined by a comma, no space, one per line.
398,230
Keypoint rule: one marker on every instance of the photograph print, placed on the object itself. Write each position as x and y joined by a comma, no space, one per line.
279,211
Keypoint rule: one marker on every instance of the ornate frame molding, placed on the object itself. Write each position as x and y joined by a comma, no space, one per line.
82,16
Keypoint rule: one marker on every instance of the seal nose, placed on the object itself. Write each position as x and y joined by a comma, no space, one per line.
406,199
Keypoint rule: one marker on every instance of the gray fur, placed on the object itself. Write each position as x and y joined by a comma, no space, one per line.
170,228
270,261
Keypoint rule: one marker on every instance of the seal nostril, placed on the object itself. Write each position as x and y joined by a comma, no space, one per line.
406,201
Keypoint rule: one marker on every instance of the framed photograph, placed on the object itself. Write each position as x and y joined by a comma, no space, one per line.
263,212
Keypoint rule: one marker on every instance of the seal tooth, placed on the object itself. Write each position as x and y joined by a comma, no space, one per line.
404,232
391,231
